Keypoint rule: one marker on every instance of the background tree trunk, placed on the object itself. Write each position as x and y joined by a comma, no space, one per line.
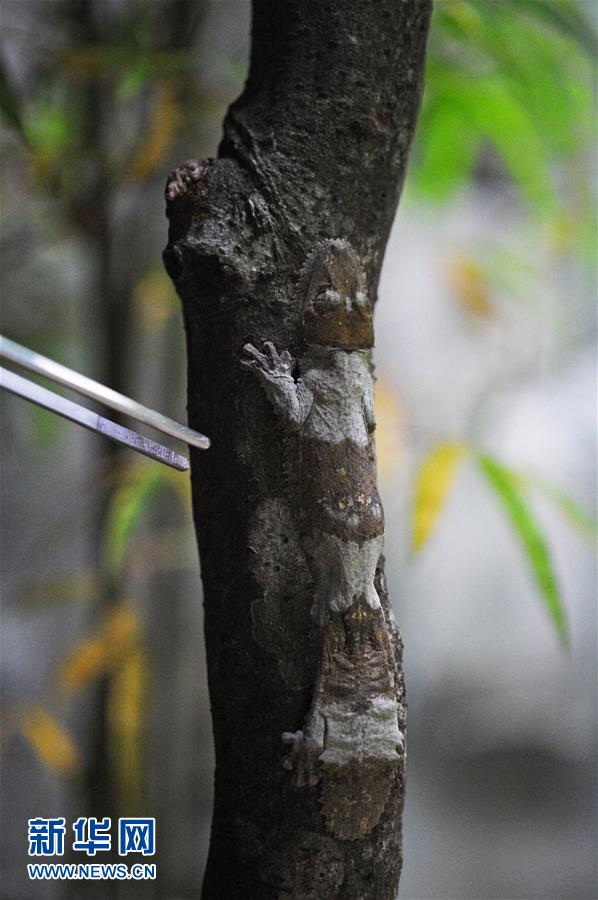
315,148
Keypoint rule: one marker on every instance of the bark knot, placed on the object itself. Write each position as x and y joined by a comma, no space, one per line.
184,178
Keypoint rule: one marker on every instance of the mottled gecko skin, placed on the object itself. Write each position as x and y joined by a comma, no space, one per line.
351,731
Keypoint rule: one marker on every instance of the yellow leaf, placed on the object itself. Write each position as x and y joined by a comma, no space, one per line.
388,428
121,632
155,298
165,119
103,652
50,741
434,481
86,662
126,722
469,284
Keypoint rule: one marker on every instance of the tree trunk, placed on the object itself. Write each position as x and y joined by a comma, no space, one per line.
280,239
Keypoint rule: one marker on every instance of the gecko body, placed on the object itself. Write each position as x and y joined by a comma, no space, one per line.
352,724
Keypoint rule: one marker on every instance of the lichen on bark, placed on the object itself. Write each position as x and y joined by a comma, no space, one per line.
314,150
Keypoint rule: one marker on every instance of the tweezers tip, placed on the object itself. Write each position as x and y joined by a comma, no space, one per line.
200,441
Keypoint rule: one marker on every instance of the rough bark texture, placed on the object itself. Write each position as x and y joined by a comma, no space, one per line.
293,217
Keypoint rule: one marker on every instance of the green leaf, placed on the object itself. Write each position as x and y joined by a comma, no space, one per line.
577,516
506,484
473,109
449,150
127,508
567,17
517,76
133,79
49,128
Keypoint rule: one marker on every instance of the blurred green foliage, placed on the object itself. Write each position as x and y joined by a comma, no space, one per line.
510,90
514,78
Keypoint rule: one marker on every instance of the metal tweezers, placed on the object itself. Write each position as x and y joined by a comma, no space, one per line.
34,362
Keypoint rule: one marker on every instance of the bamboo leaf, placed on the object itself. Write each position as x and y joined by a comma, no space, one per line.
434,481
576,516
121,632
85,663
127,703
155,298
512,76
470,286
127,508
50,741
566,17
103,652
450,147
506,485
156,143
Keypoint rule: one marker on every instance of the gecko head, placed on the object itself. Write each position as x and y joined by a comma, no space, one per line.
337,311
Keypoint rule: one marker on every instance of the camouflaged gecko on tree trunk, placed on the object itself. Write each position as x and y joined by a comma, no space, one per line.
276,246
351,740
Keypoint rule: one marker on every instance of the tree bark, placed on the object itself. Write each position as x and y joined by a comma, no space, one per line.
304,658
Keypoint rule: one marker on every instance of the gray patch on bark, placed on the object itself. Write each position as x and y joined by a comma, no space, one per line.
308,862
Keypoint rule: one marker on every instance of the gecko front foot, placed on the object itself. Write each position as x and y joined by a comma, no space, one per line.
303,757
270,364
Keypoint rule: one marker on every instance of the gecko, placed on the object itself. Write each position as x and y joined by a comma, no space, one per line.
324,400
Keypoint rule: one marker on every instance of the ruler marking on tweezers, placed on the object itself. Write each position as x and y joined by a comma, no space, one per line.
41,365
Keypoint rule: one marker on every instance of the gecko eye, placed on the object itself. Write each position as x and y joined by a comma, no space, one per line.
337,312
328,298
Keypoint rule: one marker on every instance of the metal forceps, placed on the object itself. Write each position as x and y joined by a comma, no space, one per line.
41,365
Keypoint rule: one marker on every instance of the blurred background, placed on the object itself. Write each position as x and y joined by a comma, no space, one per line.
486,361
